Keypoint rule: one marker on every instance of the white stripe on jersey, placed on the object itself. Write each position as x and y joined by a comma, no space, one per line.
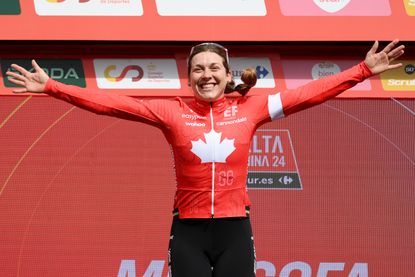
275,106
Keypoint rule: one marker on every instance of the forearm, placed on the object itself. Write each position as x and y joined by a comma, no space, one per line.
319,91
99,103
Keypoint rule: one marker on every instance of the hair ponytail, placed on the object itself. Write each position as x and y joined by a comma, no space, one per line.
248,78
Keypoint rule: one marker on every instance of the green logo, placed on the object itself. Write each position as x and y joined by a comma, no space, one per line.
9,7
70,72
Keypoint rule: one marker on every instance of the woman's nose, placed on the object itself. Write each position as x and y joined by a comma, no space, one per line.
207,74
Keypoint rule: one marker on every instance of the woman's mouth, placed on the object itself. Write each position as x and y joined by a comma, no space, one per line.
207,86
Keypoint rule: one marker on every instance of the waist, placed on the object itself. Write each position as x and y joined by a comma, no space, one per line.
245,213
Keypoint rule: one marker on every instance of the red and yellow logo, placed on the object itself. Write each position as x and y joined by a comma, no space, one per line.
125,71
410,7
60,1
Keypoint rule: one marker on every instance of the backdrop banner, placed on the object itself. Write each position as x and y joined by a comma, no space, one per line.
89,195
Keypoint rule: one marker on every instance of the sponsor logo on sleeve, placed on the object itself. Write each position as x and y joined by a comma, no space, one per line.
262,67
211,7
10,7
300,72
137,73
89,7
400,79
70,71
271,161
335,7
410,7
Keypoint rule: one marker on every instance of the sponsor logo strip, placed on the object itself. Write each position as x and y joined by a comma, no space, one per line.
68,71
262,67
400,79
271,161
300,72
89,7
410,7
137,73
335,7
211,7
9,7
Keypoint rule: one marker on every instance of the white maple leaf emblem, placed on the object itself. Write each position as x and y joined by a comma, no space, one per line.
213,150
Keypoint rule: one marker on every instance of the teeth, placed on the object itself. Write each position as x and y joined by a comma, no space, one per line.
207,86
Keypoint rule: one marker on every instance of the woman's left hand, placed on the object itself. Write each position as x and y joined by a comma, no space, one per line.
380,62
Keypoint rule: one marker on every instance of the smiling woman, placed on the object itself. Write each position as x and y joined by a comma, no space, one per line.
209,73
210,136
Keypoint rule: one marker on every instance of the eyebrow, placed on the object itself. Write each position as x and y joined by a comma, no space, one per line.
202,65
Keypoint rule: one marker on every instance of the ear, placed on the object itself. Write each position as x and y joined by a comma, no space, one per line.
229,76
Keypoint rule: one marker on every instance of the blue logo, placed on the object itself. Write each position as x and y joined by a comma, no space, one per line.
261,71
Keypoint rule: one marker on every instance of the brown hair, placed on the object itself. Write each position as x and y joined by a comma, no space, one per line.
248,76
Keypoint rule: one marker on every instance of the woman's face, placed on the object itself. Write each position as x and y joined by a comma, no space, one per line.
208,77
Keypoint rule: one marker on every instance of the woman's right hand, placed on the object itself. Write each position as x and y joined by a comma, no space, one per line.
30,82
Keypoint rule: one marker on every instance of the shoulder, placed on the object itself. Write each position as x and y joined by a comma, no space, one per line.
257,99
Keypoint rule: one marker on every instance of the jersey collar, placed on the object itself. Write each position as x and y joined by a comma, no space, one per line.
219,104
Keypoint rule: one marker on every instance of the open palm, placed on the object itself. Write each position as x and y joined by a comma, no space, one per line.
28,81
381,61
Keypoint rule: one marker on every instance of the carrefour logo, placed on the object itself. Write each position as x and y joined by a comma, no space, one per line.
89,7
135,78
137,73
261,72
262,67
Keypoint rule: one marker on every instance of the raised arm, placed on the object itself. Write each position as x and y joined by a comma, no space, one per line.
321,90
152,112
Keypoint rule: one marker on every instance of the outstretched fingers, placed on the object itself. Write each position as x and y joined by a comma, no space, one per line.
22,71
374,48
20,90
36,66
15,76
390,46
396,53
393,66
17,82
17,79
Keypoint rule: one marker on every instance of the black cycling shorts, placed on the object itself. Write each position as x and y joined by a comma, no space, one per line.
219,247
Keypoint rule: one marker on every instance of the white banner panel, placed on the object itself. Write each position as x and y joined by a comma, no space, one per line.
211,7
89,7
262,67
137,73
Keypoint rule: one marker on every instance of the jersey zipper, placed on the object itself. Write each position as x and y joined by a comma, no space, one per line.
212,211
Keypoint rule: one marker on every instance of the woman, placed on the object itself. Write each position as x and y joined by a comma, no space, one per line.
210,137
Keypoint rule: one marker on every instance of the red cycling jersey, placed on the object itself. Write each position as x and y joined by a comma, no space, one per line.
211,141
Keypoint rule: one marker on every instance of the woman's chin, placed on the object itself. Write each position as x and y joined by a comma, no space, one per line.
209,96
